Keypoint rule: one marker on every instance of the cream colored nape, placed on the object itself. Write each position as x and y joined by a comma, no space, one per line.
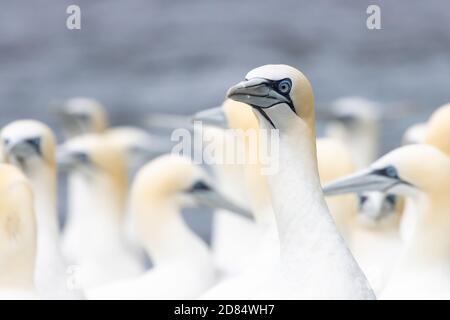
438,129
164,180
107,157
85,115
17,235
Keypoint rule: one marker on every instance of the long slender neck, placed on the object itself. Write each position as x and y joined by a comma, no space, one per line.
430,242
311,249
44,185
165,235
296,192
256,182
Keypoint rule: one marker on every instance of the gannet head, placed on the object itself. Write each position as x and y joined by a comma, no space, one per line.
17,219
94,156
82,115
376,206
438,129
404,171
139,146
354,111
278,94
415,134
29,145
174,180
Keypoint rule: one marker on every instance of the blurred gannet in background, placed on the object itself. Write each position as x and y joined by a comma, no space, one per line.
376,239
437,134
100,168
414,134
30,145
232,235
314,260
81,115
422,173
334,161
17,236
355,121
183,265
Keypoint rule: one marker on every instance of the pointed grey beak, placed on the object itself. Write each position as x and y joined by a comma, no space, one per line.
214,117
23,148
214,199
361,182
67,160
256,92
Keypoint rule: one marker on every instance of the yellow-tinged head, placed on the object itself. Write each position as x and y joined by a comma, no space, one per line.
82,115
278,94
174,181
95,156
403,171
28,144
438,129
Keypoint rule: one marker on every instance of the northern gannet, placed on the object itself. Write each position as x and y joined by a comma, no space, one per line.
100,167
258,243
414,134
334,161
183,265
17,235
232,235
81,115
437,133
422,173
355,122
314,260
30,145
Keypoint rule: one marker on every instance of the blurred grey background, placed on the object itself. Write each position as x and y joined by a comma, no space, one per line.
179,56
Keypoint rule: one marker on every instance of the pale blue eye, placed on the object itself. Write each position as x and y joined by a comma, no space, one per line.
284,86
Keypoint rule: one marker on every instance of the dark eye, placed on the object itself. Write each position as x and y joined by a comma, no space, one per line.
284,86
6,142
391,172
362,199
390,198
200,186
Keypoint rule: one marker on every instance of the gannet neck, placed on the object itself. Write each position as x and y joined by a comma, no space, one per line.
308,235
43,182
165,235
430,241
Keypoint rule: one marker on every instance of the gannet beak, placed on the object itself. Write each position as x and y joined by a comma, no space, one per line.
24,148
67,160
214,117
213,199
256,92
361,182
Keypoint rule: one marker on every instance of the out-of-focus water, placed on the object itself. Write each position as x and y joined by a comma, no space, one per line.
179,56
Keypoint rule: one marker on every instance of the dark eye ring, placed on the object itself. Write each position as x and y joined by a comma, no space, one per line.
284,86
391,172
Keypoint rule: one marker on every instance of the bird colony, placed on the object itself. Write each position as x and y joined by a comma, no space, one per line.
336,220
